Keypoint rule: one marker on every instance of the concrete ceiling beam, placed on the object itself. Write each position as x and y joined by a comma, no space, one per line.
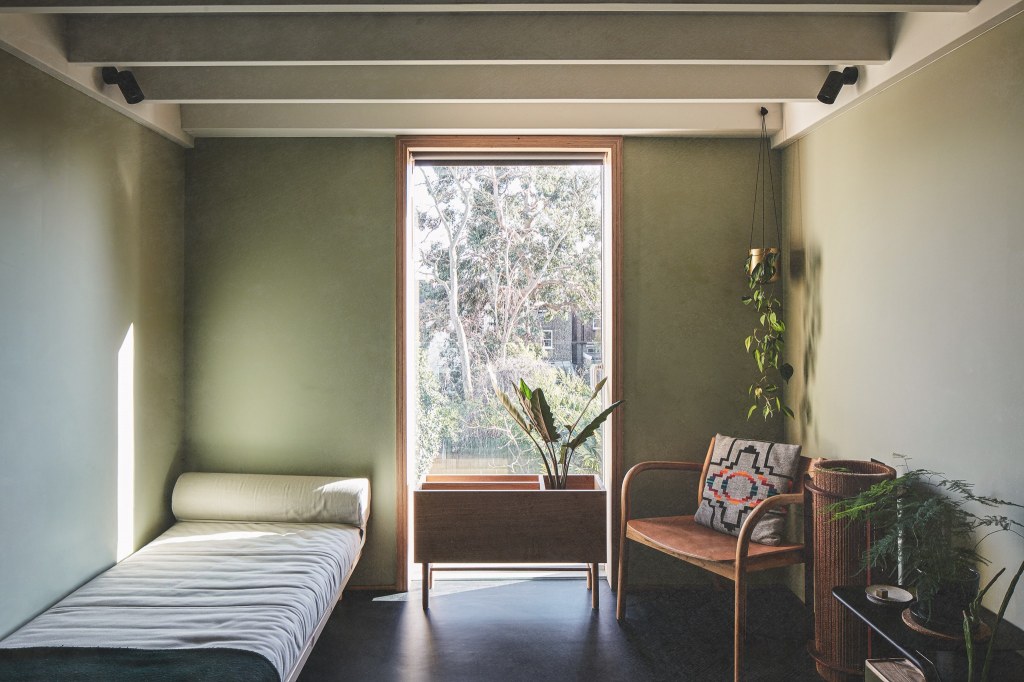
305,6
299,39
455,83
333,120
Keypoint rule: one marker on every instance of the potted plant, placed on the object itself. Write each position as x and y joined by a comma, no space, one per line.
972,620
555,517
766,342
925,530
556,446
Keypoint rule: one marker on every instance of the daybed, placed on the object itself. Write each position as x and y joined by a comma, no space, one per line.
238,589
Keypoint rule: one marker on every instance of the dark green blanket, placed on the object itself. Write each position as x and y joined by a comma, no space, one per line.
51,664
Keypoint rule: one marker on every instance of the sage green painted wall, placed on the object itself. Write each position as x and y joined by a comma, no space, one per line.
907,316
290,319
686,229
91,241
290,316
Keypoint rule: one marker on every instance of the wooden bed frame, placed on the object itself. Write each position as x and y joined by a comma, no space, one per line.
307,648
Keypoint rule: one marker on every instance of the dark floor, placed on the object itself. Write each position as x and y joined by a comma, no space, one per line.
540,630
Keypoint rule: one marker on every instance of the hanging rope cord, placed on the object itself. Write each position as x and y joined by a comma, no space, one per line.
764,157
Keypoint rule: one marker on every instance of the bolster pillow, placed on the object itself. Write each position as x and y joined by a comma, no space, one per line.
262,497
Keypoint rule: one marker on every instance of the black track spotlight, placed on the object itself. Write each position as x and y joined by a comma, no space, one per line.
125,80
835,81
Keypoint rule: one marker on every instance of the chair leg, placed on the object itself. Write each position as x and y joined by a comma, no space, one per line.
620,598
740,630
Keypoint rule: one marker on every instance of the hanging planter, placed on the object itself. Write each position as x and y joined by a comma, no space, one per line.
764,190
763,265
768,259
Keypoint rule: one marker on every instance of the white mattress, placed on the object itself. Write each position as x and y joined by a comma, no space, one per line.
261,587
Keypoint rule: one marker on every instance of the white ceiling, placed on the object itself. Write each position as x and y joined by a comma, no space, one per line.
330,67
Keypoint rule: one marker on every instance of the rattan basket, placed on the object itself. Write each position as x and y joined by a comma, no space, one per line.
840,639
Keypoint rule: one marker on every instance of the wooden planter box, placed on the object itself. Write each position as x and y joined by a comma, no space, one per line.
508,519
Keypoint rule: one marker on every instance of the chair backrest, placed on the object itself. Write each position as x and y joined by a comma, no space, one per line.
798,483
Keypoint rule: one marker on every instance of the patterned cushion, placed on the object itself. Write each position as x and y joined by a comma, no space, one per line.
742,474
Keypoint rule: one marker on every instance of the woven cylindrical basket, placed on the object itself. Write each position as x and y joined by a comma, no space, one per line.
840,639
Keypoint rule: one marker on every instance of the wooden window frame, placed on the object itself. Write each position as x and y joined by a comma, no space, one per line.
406,149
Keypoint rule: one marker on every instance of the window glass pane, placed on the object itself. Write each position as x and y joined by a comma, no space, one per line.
508,271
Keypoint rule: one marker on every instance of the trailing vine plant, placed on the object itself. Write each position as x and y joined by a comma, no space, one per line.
766,342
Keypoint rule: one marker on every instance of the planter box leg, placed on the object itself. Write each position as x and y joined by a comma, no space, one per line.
592,574
426,586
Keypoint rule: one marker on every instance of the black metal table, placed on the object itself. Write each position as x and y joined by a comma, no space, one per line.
940,660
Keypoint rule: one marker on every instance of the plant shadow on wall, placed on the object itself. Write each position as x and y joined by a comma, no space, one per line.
812,331
928,530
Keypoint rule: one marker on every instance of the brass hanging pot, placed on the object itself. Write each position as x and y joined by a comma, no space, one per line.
770,257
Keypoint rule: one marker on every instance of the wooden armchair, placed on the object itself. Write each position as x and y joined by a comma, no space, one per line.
725,555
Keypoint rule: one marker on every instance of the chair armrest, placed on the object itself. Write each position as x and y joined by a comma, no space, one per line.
760,510
650,466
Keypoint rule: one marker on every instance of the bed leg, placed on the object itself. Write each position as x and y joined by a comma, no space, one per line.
426,586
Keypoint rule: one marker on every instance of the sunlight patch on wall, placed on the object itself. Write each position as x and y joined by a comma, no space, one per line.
126,445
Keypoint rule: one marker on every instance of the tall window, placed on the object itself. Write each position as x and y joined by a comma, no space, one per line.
510,253
507,265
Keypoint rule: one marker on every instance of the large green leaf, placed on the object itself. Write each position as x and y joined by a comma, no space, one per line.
786,370
507,402
543,418
525,396
516,415
588,430
524,390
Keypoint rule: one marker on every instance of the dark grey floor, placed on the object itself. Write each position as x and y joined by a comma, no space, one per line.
542,630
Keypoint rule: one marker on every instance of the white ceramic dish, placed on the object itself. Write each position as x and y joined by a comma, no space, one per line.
888,594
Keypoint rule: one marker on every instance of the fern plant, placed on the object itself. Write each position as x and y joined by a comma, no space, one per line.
924,524
766,342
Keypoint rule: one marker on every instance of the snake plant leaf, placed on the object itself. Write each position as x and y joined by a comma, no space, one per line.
542,417
589,430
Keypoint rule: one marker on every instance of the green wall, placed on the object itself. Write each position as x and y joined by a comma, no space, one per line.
290,319
290,316
686,229
91,241
906,217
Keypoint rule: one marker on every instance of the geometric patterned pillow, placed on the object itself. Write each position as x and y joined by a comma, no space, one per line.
741,474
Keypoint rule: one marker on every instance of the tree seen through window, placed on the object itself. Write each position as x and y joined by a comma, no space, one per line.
508,267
